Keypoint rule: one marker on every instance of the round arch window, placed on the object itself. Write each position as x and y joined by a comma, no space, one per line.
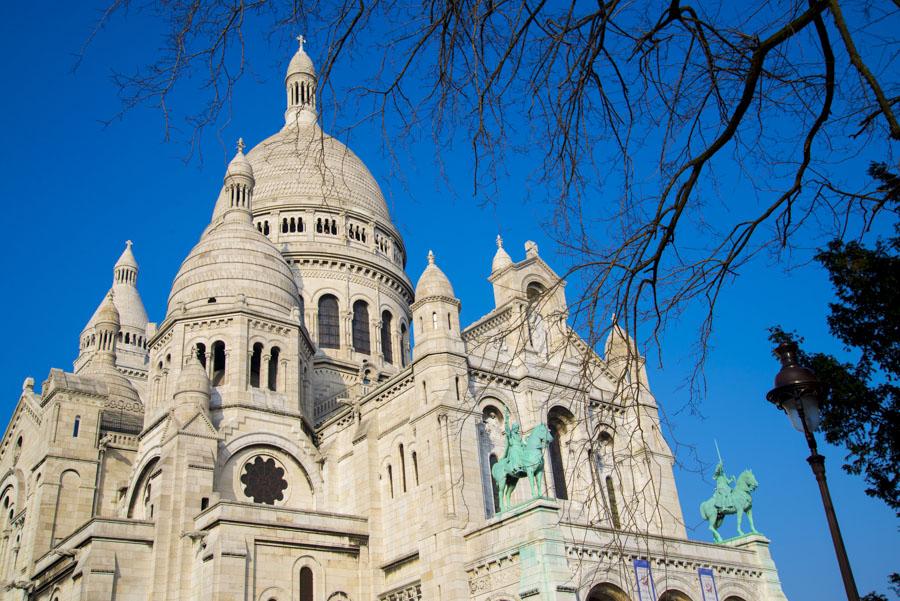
262,479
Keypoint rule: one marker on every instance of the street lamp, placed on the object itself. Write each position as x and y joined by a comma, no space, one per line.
797,392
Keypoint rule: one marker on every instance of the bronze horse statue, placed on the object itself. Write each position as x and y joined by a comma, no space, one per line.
736,501
521,461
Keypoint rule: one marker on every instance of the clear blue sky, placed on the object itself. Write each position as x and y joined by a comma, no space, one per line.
76,189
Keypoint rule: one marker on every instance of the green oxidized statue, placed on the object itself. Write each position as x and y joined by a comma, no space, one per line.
729,501
520,459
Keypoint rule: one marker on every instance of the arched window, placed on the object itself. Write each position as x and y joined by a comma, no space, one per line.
255,364
284,225
361,327
534,291
496,489
402,467
404,344
613,504
201,354
415,461
387,345
302,304
558,420
218,352
274,358
306,584
434,321
329,322
390,475
76,426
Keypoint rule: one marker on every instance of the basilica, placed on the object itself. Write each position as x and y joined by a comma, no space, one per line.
304,424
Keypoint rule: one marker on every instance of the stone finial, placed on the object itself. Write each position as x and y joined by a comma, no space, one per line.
301,40
240,145
28,384
499,241
531,249
128,244
430,258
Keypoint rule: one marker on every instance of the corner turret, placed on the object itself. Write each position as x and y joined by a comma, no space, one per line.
436,313
300,84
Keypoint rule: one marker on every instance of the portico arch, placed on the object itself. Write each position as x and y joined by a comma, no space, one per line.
674,595
607,591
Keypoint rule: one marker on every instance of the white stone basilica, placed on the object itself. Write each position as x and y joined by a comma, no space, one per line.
276,438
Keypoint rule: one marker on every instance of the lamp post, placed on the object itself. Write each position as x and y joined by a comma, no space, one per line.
797,391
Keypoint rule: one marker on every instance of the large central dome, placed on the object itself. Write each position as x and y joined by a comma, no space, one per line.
303,165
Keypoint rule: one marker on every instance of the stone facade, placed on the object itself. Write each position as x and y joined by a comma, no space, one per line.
276,438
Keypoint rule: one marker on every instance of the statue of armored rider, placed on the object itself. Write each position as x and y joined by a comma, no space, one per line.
722,495
514,443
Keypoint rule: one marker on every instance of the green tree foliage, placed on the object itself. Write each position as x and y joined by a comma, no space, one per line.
861,404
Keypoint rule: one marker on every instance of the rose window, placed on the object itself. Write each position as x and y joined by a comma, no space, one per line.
263,480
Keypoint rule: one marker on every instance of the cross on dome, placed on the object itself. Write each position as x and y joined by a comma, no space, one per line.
240,145
301,40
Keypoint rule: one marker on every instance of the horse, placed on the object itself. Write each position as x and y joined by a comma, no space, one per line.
741,502
507,471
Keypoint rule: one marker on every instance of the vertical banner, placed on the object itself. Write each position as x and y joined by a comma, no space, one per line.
708,584
646,590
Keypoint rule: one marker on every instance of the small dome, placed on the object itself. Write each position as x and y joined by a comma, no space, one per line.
433,282
239,165
502,259
234,263
192,380
127,258
107,313
301,63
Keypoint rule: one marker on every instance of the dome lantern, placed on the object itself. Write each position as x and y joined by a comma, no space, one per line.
300,85
237,190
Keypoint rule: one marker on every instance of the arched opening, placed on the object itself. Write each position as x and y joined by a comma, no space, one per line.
534,291
674,595
733,598
402,467
201,354
404,345
218,352
255,364
613,503
607,592
306,584
302,304
274,358
434,321
415,467
387,347
361,327
76,426
495,489
559,421
329,322
390,477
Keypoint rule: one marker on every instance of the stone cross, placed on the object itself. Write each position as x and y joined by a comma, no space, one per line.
301,40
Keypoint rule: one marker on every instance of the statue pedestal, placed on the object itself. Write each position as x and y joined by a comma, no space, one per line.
759,544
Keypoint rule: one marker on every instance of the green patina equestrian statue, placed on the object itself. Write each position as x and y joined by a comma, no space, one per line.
728,501
520,459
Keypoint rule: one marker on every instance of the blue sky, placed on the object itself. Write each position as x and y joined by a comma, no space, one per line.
77,188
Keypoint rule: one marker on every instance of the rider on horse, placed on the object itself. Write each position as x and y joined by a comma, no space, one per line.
722,496
514,443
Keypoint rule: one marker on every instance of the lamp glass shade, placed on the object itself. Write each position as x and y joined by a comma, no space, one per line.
810,405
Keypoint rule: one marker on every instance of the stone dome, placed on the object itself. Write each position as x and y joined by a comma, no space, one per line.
234,263
107,312
239,165
192,381
301,63
303,165
433,282
502,259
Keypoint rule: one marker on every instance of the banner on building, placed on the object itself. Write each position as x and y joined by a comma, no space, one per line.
646,590
708,584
